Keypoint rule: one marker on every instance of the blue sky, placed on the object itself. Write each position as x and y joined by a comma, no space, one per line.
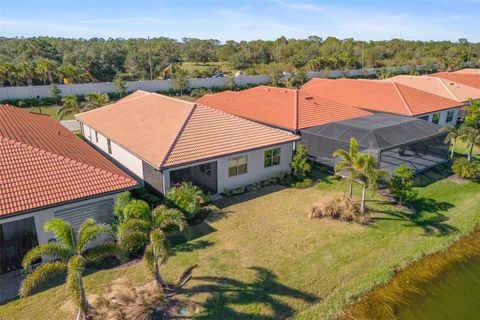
243,20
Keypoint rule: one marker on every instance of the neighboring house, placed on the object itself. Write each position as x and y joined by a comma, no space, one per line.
287,109
387,97
468,71
45,172
164,141
471,78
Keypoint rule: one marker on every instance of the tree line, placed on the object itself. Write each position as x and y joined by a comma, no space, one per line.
45,60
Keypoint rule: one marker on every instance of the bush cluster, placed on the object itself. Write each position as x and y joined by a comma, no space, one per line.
465,169
337,205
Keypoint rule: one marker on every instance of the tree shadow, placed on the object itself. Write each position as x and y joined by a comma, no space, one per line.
433,175
191,246
427,215
265,290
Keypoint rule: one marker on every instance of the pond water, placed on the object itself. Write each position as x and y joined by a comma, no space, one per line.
444,285
454,295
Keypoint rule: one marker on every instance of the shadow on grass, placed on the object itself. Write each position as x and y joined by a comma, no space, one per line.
265,290
427,216
433,175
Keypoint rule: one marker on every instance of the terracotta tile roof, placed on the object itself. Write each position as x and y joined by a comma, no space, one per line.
285,108
169,132
468,70
314,82
469,79
381,96
33,177
439,86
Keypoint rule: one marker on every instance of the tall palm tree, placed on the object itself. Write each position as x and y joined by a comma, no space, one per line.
471,135
70,253
347,165
69,106
94,100
367,175
451,137
151,230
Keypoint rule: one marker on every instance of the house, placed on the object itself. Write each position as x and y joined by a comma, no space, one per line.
387,97
468,78
468,71
163,141
45,172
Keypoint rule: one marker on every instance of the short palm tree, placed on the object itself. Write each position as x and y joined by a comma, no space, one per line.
451,137
367,174
70,253
69,106
347,165
151,230
94,100
471,135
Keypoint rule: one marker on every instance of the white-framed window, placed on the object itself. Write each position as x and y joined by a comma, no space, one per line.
436,118
109,145
237,165
271,157
90,134
450,116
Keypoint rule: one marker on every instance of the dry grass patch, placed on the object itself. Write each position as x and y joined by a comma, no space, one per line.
337,205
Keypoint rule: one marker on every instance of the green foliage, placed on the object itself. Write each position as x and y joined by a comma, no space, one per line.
55,92
470,133
466,169
120,84
188,198
143,194
94,100
123,199
473,112
401,184
136,209
70,105
300,165
302,184
180,80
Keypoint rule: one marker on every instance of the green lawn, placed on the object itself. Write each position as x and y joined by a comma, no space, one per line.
264,259
190,66
461,148
49,110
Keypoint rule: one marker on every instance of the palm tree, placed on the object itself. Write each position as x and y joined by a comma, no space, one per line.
451,137
347,165
70,253
94,100
136,227
367,175
471,135
69,106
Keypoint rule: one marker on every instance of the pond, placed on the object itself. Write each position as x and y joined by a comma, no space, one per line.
444,285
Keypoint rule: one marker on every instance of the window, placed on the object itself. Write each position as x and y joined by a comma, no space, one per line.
423,118
90,134
272,157
436,118
109,145
237,165
450,116
96,136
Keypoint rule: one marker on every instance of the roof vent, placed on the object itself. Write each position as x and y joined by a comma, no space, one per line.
308,97
268,89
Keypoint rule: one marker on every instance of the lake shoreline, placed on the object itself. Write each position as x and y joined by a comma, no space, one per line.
406,284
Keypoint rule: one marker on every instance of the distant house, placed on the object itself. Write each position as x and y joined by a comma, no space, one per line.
388,97
466,76
46,172
164,141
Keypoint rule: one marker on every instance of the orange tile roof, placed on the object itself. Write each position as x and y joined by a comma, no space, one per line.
469,79
439,86
381,96
285,108
314,82
468,70
33,177
169,132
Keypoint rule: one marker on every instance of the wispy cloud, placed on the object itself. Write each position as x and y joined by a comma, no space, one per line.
301,6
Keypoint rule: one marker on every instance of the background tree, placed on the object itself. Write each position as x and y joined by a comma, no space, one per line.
300,165
69,106
120,85
451,137
94,100
347,165
55,92
471,135
180,80
473,113
367,174
69,253
401,184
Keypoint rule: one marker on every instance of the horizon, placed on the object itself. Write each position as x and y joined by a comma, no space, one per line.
421,20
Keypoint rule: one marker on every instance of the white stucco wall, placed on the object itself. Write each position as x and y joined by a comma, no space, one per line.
255,168
443,117
44,215
120,154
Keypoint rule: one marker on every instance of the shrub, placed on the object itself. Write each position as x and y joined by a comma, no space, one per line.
301,184
465,169
401,184
138,209
300,165
188,198
143,194
123,199
337,205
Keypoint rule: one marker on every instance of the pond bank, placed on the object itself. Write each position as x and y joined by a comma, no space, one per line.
404,293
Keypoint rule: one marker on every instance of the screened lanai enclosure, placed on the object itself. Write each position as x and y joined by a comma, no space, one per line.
393,139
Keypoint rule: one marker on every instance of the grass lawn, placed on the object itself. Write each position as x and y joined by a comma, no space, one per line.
190,66
264,259
49,110
461,148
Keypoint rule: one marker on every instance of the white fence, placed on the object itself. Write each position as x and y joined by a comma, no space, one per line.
28,92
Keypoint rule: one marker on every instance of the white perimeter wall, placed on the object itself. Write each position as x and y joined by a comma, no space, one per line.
128,160
44,215
255,168
443,117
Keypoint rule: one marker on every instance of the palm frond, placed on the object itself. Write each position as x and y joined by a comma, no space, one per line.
169,219
102,251
36,277
131,239
62,230
160,248
51,250
76,265
92,232
344,154
134,224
